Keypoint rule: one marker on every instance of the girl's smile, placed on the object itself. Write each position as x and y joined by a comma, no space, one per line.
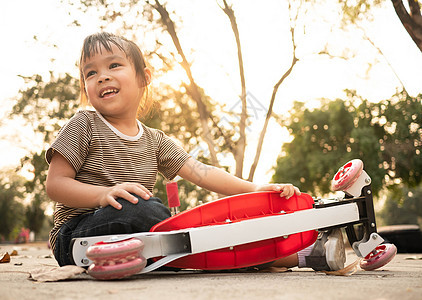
108,92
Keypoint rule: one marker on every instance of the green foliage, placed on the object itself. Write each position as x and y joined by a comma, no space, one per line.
11,210
46,105
385,135
402,142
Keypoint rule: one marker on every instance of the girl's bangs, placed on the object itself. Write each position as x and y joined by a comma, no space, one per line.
96,43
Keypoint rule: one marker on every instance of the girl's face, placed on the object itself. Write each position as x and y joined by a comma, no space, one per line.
111,83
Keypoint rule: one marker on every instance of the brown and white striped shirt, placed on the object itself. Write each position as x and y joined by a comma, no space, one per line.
101,155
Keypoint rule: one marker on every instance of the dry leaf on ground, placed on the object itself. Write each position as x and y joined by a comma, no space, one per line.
346,271
5,257
413,257
45,274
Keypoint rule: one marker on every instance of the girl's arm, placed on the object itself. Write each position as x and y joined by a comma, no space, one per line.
221,182
62,187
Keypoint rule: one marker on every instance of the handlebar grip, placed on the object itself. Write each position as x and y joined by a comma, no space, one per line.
172,194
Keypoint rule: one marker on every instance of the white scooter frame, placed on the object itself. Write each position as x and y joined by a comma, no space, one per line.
346,212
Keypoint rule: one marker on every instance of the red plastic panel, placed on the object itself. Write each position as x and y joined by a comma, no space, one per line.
238,208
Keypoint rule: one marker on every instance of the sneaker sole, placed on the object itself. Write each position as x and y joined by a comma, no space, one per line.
335,253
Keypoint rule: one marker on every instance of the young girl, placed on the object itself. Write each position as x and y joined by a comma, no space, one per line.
103,164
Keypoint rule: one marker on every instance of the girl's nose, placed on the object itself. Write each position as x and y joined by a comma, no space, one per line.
104,78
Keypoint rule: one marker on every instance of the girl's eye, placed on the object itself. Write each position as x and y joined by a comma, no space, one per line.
90,73
114,65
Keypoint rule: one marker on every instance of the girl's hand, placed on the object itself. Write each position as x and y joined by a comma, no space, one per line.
125,191
286,190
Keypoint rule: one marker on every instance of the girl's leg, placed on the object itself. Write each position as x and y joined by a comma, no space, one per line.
131,218
288,261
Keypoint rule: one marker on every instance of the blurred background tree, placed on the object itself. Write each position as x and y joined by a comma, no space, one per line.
402,205
11,207
45,107
385,135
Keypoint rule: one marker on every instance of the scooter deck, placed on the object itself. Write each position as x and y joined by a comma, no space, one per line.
235,209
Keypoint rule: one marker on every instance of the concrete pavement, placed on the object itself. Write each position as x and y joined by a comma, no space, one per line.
400,279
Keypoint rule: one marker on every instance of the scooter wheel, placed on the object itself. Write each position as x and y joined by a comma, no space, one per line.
117,270
347,175
381,256
104,250
116,260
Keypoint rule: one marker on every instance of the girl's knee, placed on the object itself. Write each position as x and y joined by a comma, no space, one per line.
151,210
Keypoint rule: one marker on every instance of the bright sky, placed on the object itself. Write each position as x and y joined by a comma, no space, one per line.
206,29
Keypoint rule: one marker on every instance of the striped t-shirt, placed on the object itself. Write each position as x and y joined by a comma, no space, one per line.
102,155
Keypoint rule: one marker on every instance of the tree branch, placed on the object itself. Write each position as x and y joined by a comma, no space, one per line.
270,108
382,54
412,22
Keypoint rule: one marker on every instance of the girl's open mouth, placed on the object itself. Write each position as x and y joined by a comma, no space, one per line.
108,92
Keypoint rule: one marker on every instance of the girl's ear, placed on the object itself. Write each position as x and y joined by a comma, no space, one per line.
147,73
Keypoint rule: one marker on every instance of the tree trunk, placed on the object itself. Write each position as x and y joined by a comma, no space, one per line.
239,151
412,21
192,89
